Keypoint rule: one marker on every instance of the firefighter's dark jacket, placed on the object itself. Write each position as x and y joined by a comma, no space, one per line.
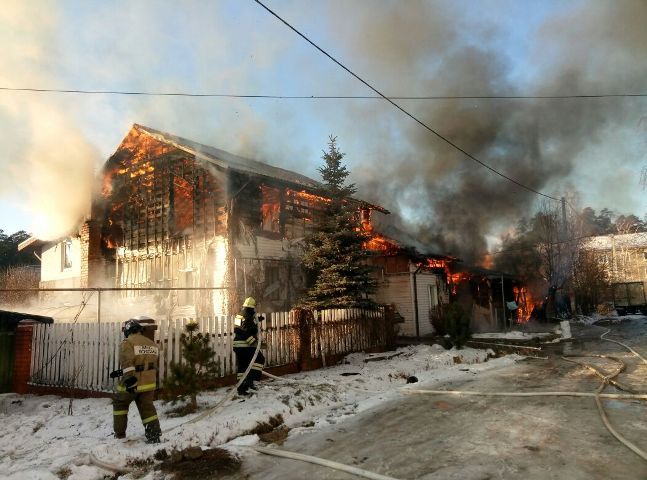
138,357
246,335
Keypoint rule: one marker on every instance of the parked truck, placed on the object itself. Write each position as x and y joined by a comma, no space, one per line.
629,297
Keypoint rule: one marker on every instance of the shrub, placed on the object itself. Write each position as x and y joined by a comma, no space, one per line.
456,323
198,370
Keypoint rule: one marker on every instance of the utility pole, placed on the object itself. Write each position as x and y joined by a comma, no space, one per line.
563,219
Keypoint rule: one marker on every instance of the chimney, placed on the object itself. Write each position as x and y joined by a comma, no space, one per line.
91,257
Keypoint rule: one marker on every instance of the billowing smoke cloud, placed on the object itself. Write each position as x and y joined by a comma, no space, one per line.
426,47
447,200
46,161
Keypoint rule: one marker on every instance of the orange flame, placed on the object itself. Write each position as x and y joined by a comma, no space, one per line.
526,303
379,243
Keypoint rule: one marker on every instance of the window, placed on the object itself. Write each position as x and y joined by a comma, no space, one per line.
185,297
272,282
66,254
433,295
645,255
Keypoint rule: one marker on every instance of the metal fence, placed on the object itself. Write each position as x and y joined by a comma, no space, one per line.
82,355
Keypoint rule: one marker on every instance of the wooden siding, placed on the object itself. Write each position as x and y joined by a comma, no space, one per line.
397,290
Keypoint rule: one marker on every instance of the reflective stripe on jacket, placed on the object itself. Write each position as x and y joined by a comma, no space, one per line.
138,357
245,335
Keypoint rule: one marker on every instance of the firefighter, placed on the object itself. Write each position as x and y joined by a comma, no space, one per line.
245,342
138,359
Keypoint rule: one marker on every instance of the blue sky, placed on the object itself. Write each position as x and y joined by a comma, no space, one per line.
592,150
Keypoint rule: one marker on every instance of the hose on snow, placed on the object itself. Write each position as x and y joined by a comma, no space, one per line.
206,413
229,395
606,379
615,396
321,461
108,466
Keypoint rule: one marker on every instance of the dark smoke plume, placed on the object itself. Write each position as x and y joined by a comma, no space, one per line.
435,193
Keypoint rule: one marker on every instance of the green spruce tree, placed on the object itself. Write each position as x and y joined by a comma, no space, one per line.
334,255
197,372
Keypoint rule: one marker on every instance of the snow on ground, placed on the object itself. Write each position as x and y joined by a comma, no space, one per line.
614,318
40,439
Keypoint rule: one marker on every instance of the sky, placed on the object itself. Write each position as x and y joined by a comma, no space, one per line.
590,150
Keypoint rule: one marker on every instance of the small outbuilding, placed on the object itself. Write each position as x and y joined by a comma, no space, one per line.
13,350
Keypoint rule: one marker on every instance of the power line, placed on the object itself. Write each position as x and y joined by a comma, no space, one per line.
413,117
314,97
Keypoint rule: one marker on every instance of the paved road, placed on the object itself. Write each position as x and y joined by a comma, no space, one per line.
477,438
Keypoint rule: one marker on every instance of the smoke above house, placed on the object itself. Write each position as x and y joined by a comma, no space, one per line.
448,201
46,162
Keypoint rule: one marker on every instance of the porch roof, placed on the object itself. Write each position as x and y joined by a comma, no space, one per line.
13,318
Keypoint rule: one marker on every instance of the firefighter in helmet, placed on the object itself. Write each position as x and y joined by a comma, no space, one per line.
245,342
138,356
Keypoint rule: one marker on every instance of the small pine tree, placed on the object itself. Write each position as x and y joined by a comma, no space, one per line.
198,370
334,254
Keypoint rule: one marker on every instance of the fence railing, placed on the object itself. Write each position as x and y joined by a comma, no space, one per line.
82,355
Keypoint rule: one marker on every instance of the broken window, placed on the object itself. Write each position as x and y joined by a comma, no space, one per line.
272,282
270,209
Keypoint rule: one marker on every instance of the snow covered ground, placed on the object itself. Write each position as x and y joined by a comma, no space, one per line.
39,439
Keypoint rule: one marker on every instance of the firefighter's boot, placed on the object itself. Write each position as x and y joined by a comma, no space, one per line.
153,431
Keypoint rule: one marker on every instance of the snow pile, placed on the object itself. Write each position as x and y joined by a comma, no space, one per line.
593,319
39,439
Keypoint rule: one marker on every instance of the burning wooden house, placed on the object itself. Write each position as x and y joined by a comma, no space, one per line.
175,213
416,284
495,300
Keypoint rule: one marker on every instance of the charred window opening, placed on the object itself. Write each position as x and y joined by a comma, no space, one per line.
270,209
302,211
182,201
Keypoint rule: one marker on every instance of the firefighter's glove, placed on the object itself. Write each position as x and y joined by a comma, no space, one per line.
260,318
116,373
131,384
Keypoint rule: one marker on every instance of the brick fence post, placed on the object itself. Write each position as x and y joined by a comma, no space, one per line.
22,363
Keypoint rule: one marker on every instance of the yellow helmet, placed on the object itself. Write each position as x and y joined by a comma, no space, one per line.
249,302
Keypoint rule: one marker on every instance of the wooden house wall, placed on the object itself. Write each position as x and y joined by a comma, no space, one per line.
397,290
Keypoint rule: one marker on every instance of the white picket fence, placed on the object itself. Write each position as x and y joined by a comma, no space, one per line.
82,355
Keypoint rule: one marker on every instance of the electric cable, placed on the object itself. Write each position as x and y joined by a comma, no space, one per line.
316,97
403,110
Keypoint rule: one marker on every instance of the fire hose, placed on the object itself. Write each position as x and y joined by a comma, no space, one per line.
606,379
321,461
206,413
